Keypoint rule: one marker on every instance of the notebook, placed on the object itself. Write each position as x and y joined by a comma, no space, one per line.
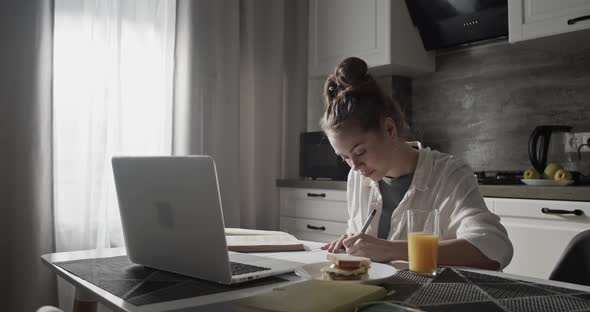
172,220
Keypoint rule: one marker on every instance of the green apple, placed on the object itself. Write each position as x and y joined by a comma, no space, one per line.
531,173
550,171
562,174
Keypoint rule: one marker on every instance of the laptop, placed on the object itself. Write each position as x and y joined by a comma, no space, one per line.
172,220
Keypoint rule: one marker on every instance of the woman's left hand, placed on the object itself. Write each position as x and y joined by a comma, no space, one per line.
364,245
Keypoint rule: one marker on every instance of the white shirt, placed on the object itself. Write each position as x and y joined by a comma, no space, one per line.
440,181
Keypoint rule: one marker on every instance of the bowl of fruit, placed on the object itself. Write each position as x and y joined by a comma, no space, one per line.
553,175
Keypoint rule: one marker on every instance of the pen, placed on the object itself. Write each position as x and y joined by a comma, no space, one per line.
366,225
363,230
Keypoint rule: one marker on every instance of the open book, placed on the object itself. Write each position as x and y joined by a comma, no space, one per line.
245,240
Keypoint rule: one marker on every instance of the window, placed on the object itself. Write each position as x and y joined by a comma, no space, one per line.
112,95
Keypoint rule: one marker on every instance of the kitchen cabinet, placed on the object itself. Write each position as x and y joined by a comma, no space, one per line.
529,19
379,31
539,231
313,214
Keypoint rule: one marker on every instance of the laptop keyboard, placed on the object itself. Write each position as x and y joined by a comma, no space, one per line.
241,268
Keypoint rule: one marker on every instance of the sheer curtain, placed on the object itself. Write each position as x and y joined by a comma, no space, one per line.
113,80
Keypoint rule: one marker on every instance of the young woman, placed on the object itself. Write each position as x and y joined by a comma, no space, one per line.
368,130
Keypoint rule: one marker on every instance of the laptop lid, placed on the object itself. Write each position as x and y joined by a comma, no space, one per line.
171,214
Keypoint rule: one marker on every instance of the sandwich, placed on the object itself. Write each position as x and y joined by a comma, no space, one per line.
345,267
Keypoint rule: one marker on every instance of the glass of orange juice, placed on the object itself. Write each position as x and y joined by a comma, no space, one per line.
423,232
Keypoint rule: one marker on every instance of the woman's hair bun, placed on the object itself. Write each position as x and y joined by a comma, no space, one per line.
352,98
351,71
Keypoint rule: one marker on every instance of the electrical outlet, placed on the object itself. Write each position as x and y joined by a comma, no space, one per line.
582,138
578,139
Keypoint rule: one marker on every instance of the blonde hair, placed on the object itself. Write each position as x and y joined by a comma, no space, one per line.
352,98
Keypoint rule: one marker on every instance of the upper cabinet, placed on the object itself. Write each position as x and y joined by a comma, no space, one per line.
529,19
379,31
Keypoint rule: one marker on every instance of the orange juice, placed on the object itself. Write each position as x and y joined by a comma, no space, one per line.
422,252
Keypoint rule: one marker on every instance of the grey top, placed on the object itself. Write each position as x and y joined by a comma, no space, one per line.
392,192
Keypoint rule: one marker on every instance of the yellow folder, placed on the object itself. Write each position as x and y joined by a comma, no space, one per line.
313,295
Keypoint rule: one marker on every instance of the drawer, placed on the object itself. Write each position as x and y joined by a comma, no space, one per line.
550,210
327,205
309,227
308,193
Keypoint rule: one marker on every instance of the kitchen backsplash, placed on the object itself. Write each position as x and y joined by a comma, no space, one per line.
483,102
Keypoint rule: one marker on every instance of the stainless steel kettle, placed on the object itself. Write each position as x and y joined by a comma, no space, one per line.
552,144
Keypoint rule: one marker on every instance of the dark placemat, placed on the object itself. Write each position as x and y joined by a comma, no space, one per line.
546,304
459,290
443,293
482,278
513,290
142,285
484,306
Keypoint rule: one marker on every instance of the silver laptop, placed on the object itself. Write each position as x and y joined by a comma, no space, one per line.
172,220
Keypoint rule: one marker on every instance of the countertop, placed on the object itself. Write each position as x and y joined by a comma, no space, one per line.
574,193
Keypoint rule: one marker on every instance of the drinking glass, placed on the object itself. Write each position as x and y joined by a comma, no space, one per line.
423,232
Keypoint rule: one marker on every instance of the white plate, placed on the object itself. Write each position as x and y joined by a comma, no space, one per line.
544,182
377,272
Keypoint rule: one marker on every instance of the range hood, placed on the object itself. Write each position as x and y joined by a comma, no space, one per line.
447,23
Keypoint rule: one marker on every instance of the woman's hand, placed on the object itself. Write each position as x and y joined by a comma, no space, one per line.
376,249
335,246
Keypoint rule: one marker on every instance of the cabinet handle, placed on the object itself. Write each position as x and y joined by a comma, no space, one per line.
316,195
576,212
321,228
577,19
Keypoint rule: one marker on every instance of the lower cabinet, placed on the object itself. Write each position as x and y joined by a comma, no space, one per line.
313,214
540,230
